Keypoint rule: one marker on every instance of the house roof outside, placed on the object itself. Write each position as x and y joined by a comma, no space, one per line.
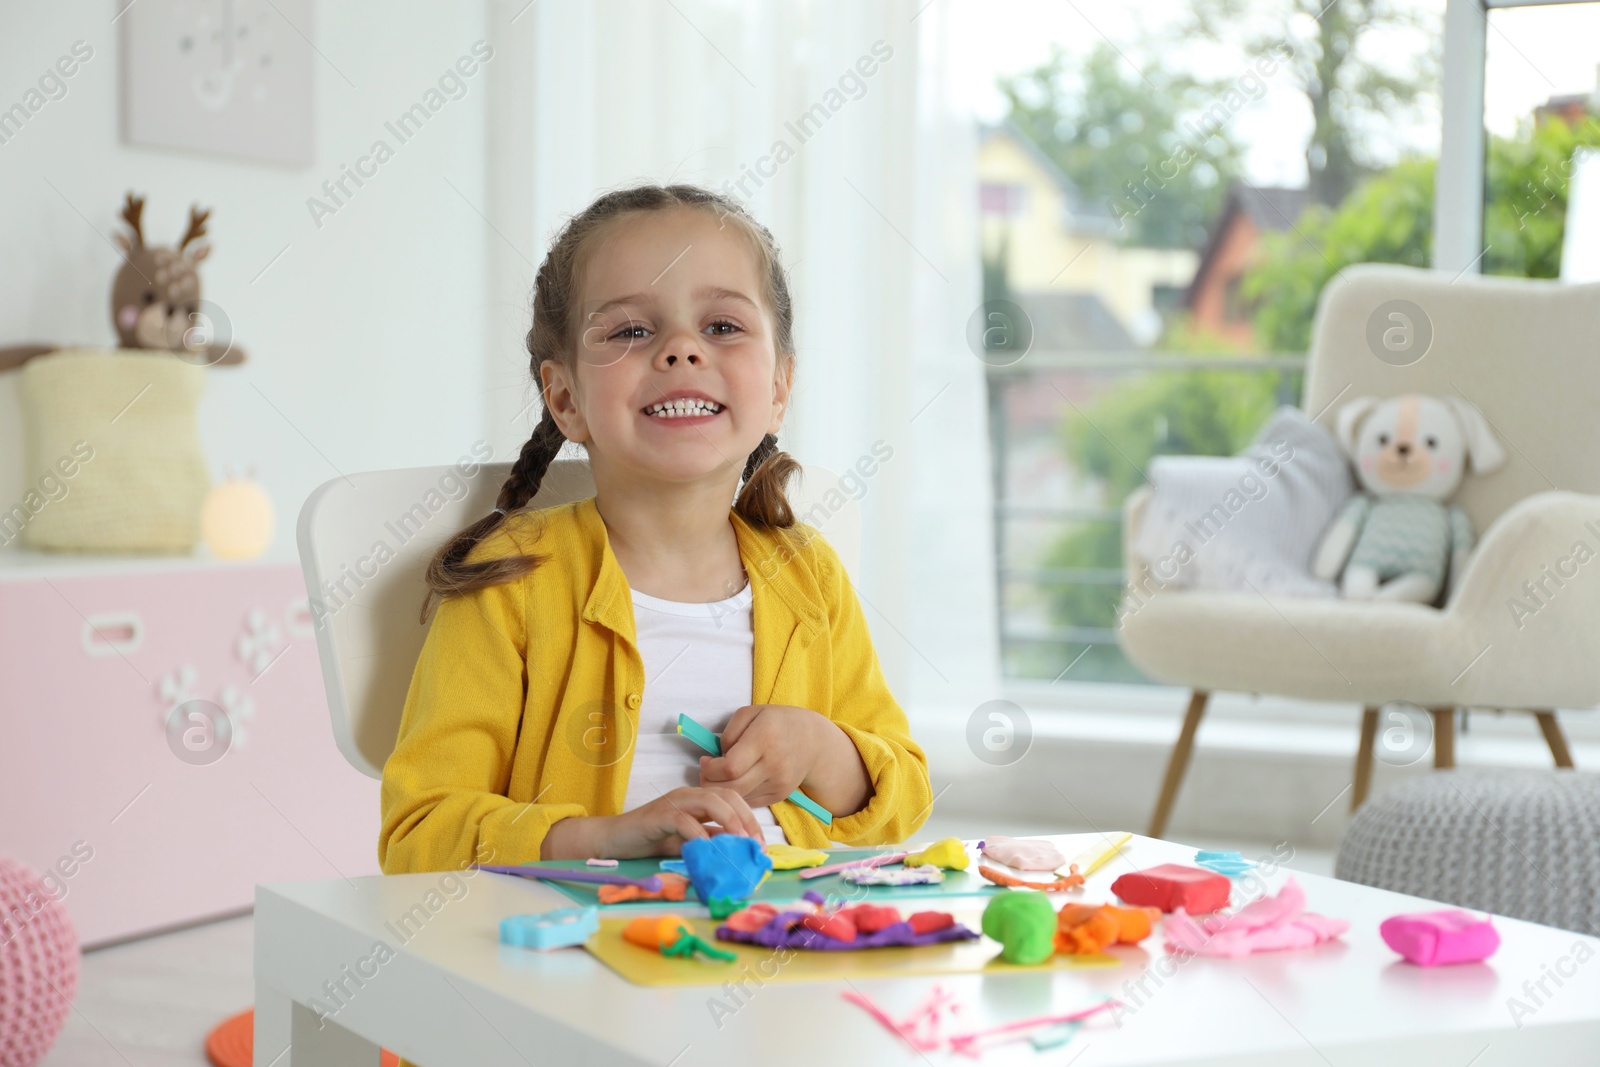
1073,322
1271,208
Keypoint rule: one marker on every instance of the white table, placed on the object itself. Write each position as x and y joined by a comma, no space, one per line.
445,993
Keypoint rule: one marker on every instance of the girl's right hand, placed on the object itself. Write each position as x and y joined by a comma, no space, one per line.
661,826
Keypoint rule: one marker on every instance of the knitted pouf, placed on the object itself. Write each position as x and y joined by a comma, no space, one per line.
38,965
1523,843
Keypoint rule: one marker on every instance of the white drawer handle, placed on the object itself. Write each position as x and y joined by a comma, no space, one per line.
113,633
298,619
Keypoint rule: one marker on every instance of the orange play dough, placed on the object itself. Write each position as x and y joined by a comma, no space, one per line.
1070,881
654,931
1087,928
673,887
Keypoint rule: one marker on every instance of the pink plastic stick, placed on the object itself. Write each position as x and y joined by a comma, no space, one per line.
905,1033
871,861
967,1043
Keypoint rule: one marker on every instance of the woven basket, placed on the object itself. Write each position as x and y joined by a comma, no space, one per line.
144,484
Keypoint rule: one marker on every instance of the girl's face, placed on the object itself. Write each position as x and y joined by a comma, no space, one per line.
676,377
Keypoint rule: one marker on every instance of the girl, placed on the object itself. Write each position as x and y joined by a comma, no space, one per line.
541,718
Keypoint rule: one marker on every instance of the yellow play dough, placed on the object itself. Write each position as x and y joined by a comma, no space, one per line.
786,857
949,854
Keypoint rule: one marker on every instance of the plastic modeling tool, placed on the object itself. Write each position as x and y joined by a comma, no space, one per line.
652,884
712,744
870,861
1092,859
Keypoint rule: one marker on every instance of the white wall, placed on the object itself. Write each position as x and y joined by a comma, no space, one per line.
392,335
366,338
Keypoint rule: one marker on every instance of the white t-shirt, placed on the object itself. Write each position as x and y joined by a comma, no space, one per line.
697,661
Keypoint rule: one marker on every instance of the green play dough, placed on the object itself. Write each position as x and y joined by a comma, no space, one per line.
1024,923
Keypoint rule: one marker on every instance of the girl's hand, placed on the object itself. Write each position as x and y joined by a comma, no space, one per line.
660,827
768,750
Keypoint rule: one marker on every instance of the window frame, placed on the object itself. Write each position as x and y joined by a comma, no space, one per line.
1458,196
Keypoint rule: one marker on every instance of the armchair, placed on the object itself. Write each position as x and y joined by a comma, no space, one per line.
1521,628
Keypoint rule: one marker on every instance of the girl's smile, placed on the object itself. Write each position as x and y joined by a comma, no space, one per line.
683,407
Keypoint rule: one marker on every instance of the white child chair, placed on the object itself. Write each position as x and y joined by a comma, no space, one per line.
365,541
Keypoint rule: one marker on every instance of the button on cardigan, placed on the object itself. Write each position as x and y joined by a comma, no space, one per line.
522,707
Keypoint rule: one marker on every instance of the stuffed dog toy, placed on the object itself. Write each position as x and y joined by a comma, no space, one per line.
1400,540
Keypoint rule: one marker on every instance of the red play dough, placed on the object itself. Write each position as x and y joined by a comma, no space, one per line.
836,926
1171,886
870,918
925,922
749,920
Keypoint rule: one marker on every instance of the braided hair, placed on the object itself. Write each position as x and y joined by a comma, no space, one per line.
762,500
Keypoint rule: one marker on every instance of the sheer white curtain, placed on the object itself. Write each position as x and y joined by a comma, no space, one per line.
832,120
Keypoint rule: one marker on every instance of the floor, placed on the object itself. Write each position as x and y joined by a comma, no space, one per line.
150,1003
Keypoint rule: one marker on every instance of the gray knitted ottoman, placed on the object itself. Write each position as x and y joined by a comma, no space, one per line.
1523,843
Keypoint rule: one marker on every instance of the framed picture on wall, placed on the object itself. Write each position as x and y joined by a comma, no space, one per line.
225,77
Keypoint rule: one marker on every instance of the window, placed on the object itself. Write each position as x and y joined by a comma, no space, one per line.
1169,300
1541,118
1518,134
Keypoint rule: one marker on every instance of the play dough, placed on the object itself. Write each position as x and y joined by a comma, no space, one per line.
787,857
670,935
949,854
1025,925
810,923
673,887
729,866
927,874
654,931
1170,886
1024,853
1264,925
1088,928
1067,881
1429,938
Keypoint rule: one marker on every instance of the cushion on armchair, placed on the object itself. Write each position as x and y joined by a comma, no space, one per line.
1251,520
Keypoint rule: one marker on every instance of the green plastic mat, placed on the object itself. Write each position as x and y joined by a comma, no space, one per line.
782,885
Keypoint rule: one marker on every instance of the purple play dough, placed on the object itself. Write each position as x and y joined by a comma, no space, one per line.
778,933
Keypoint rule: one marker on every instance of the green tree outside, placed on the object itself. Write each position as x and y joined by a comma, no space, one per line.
1389,219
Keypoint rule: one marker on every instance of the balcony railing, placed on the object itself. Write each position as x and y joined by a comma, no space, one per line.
1058,519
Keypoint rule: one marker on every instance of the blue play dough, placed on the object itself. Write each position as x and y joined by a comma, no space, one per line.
727,865
674,867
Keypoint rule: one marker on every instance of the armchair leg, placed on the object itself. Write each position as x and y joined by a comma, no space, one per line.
1444,737
1363,775
1178,762
1554,738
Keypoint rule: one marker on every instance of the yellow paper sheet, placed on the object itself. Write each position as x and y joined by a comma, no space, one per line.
643,966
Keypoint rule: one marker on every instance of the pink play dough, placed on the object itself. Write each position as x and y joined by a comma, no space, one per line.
1430,938
1024,853
1265,925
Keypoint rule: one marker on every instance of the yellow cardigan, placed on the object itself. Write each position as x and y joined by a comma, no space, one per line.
523,706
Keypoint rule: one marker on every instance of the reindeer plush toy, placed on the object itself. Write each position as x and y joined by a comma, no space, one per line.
155,297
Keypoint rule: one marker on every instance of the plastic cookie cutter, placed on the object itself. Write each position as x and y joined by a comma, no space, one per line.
712,744
558,928
1231,864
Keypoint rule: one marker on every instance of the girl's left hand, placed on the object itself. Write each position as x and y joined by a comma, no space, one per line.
768,750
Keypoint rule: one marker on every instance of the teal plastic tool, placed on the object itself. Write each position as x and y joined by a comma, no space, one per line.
712,744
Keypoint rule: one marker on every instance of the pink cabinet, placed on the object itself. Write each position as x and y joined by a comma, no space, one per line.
148,827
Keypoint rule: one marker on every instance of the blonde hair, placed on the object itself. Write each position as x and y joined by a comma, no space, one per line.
762,500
